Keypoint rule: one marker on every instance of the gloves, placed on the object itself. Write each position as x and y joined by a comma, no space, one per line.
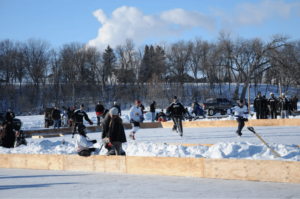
246,119
94,141
91,123
108,142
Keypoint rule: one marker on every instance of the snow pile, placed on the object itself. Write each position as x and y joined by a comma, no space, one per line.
221,150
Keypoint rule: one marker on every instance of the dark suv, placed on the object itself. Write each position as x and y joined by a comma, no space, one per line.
16,122
215,105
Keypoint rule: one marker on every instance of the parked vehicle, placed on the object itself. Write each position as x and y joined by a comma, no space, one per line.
16,121
217,105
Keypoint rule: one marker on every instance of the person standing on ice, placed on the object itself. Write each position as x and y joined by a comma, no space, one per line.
152,110
77,118
177,110
55,115
239,112
257,105
272,103
99,110
83,143
284,107
135,114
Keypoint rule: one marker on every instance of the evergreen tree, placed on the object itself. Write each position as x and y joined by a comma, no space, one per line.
108,59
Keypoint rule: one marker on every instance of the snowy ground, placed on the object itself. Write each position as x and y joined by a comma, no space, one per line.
18,183
227,145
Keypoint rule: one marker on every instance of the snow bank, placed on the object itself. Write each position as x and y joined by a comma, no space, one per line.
221,150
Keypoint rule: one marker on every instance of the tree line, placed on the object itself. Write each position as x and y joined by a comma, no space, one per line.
34,75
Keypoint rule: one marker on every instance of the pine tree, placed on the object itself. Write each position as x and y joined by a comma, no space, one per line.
108,59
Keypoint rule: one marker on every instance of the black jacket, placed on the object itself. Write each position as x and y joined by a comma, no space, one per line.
273,103
119,109
264,104
7,137
177,109
160,114
116,131
78,116
142,108
55,114
284,104
152,107
99,108
9,116
258,103
105,124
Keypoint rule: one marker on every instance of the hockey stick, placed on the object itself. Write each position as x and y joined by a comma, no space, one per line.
252,129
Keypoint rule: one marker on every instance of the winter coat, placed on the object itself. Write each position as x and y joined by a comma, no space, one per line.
258,103
82,143
7,137
135,113
160,114
116,131
284,104
99,108
272,102
9,116
78,116
240,112
142,108
152,107
119,109
55,114
264,104
198,109
177,109
105,124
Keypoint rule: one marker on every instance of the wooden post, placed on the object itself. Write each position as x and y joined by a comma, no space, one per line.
280,90
249,99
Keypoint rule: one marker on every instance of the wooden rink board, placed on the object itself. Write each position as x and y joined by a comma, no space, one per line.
231,169
233,123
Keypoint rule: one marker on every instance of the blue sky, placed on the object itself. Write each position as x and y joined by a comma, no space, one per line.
64,21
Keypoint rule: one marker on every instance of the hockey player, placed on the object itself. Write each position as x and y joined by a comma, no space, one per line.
135,114
83,143
177,110
257,105
241,114
77,118
99,110
272,103
284,107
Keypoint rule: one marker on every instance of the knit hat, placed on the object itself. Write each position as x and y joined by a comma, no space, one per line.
271,93
114,111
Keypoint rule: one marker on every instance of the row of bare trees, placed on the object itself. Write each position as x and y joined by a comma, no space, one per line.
34,75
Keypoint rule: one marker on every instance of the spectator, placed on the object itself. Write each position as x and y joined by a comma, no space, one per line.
152,110
284,107
161,116
142,116
198,111
9,117
273,104
177,110
295,100
55,115
264,107
258,105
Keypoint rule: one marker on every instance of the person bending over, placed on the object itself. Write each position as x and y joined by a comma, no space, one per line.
83,144
77,118
239,112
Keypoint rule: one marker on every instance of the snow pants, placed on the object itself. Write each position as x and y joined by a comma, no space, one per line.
241,125
178,124
153,116
284,114
273,114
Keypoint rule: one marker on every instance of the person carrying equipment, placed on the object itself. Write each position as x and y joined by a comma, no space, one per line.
239,112
177,110
83,143
258,106
99,110
135,114
77,118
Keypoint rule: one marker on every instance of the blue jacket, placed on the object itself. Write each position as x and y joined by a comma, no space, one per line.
198,109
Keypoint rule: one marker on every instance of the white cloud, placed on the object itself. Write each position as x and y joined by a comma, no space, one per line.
130,22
